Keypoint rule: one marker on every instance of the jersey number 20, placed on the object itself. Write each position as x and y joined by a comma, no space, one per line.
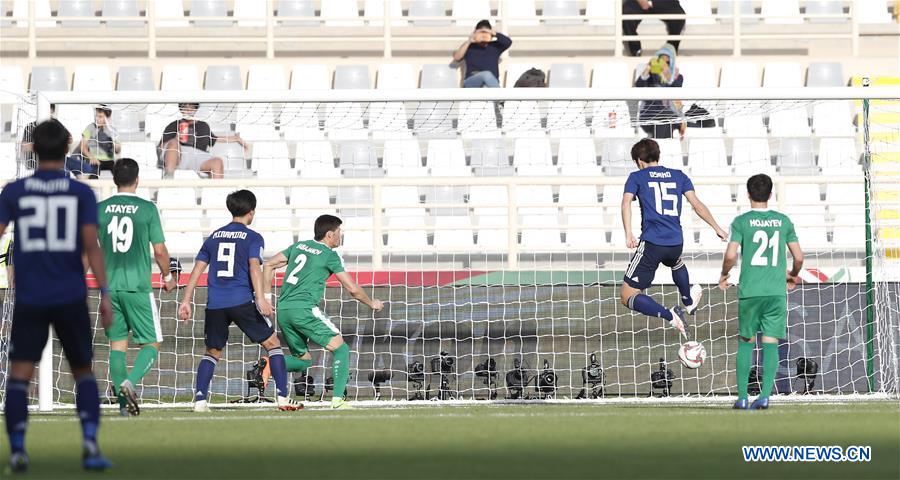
60,236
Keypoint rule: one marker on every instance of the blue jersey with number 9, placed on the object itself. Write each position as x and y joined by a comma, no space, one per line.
49,210
228,252
659,190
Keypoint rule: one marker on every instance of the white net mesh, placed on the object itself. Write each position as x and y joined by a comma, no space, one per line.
492,229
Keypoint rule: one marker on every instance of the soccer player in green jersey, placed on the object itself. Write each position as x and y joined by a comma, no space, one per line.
128,226
310,263
762,235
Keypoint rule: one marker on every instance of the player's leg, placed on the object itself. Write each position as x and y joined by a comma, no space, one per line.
215,333
300,359
322,331
748,326
117,333
171,156
639,276
142,318
773,327
72,324
690,295
259,329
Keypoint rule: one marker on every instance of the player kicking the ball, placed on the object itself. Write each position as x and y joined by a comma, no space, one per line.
659,190
128,226
56,222
234,256
762,235
310,263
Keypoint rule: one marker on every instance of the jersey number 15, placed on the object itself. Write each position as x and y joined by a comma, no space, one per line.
661,191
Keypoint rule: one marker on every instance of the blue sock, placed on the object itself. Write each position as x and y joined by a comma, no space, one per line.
648,306
683,282
15,412
279,371
87,402
204,376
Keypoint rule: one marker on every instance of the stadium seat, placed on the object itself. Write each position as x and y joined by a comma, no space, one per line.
486,195
223,77
833,118
838,156
410,233
561,8
782,74
270,197
233,156
845,197
849,231
310,77
781,12
271,160
445,194
357,155
297,8
522,118
121,8
803,194
276,241
739,75
389,119
707,156
825,74
169,13
718,195
358,234
310,197
488,153
492,232
402,201
453,232
344,121
92,78
811,230
213,197
180,78
12,81
41,10
209,8
535,200
700,10
49,79
354,195
317,153
579,237
873,11
8,165
795,157
611,119
428,8
395,76
615,156
540,232
600,12
670,153
750,153
403,158
698,74
250,13
374,11
532,151
144,153
176,196
266,77
522,13
341,13
478,119
135,78
825,7
567,75
578,157
175,220
578,199
444,153
184,243
439,76
467,13
77,8
515,70
301,121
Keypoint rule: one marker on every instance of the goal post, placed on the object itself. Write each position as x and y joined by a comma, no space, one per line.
501,279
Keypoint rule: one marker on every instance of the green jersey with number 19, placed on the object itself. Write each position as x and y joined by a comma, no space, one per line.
763,236
310,263
128,225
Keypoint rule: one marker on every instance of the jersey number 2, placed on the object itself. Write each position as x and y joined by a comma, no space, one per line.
765,243
300,260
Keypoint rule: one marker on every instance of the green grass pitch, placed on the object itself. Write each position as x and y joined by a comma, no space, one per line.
489,441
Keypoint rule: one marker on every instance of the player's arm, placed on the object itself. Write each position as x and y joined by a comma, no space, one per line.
704,213
264,289
95,261
731,255
357,292
184,310
627,198
161,255
797,254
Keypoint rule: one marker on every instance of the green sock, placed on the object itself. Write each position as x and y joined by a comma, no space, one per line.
745,351
341,370
295,364
118,370
770,368
145,359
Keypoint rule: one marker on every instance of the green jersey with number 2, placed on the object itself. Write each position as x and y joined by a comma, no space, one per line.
763,236
310,263
128,225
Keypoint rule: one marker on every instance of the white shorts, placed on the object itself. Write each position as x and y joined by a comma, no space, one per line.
191,158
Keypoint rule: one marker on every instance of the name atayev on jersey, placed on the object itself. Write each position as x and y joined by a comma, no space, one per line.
755,222
55,185
129,209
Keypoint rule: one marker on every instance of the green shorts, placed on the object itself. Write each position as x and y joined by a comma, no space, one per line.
134,312
300,325
765,314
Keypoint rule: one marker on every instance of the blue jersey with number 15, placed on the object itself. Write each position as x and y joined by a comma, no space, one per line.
228,252
659,190
49,210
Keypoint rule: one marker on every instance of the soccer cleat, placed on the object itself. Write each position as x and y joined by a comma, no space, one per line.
696,295
761,403
200,406
741,404
678,321
95,461
340,404
123,412
131,400
286,404
18,462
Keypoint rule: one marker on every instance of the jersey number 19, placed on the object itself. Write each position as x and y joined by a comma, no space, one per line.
121,233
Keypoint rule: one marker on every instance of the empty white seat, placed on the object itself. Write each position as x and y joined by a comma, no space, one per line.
578,199
314,153
41,10
453,233
488,200
428,8
358,234
341,13
488,153
810,228
838,156
351,200
699,12
310,77
561,8
540,232
795,155
577,156
706,155
849,231
270,197
174,220
615,155
789,122
713,196
407,233
519,13
400,155
214,196
670,154
825,7
698,74
600,12
468,12
535,200
567,75
374,10
781,11
803,194
825,74
176,196
750,153
532,151
297,8
445,153
271,160
310,197
209,8
170,13
357,155
750,125
144,153
184,243
583,232
493,233
402,201
844,197
77,8
782,74
179,78
49,79
740,75
833,118
121,8
135,78
265,77
873,11
477,118
250,13
92,78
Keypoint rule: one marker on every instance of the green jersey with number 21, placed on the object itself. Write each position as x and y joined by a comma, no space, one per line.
128,225
310,263
763,236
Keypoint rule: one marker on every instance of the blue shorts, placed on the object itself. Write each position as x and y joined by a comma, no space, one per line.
215,329
646,260
31,326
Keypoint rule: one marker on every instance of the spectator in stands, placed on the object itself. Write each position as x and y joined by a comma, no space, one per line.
186,142
648,7
26,149
481,52
660,118
100,141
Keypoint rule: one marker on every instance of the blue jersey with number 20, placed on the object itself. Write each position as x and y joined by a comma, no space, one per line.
659,190
49,210
228,252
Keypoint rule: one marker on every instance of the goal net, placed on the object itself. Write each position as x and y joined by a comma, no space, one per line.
489,223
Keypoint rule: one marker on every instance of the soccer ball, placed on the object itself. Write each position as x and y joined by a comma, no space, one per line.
692,354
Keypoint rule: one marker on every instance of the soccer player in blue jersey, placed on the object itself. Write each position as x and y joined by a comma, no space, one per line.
234,256
659,190
56,222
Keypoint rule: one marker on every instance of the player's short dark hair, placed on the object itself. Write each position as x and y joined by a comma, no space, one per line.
125,172
483,24
51,141
105,109
325,224
759,187
240,202
646,149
